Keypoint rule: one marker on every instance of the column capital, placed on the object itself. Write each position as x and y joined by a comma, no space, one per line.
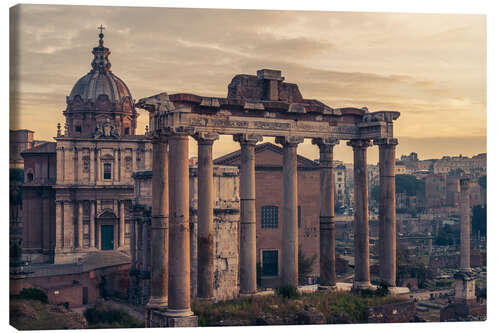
206,138
289,140
325,141
248,139
386,142
359,143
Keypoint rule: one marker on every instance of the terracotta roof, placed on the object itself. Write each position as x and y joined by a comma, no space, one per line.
234,156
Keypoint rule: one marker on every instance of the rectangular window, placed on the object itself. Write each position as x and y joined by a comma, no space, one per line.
78,129
269,216
127,131
270,263
107,170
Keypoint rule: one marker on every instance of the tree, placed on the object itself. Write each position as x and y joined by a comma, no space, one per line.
478,222
374,193
482,181
406,184
447,235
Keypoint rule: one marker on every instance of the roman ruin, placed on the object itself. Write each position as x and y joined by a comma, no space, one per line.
257,106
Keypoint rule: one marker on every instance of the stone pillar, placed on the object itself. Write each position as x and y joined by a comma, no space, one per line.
159,230
361,225
92,225
121,208
59,225
133,242
290,228
464,225
69,225
327,274
80,224
248,248
206,240
91,165
387,211
179,303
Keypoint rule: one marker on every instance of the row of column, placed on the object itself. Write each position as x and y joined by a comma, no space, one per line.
65,224
170,262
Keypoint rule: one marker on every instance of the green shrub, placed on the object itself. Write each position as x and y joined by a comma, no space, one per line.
287,291
104,316
33,293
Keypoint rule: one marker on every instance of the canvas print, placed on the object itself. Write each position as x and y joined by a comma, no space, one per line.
182,167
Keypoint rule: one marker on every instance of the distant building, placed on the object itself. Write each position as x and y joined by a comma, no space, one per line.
20,140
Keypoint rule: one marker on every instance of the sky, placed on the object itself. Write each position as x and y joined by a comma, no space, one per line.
430,67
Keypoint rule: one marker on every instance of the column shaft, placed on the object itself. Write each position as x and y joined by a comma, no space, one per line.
59,225
387,211
290,231
248,248
464,225
80,224
121,207
361,223
179,303
92,224
206,244
159,227
327,213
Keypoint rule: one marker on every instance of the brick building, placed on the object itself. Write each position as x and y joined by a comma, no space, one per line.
268,187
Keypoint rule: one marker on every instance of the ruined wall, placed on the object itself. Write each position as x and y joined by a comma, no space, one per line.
226,229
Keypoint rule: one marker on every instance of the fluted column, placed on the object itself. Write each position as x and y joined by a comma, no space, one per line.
80,225
248,248
361,225
121,207
464,225
290,228
159,227
387,211
327,275
206,245
179,302
92,225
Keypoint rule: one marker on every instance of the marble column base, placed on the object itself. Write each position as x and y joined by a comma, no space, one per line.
168,318
362,285
327,288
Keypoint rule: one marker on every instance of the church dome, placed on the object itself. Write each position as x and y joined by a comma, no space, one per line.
97,83
100,81
100,99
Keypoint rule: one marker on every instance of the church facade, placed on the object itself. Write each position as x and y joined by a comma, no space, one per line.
78,191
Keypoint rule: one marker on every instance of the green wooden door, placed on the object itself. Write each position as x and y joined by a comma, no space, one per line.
107,235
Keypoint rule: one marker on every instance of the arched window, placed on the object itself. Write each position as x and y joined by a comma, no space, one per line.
29,177
269,217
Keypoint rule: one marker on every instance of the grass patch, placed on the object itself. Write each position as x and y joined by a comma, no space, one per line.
104,316
337,307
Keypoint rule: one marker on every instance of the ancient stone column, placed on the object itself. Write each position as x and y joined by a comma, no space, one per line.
179,303
206,245
464,225
248,247
327,275
387,211
361,225
133,242
80,224
121,207
159,227
92,225
290,228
